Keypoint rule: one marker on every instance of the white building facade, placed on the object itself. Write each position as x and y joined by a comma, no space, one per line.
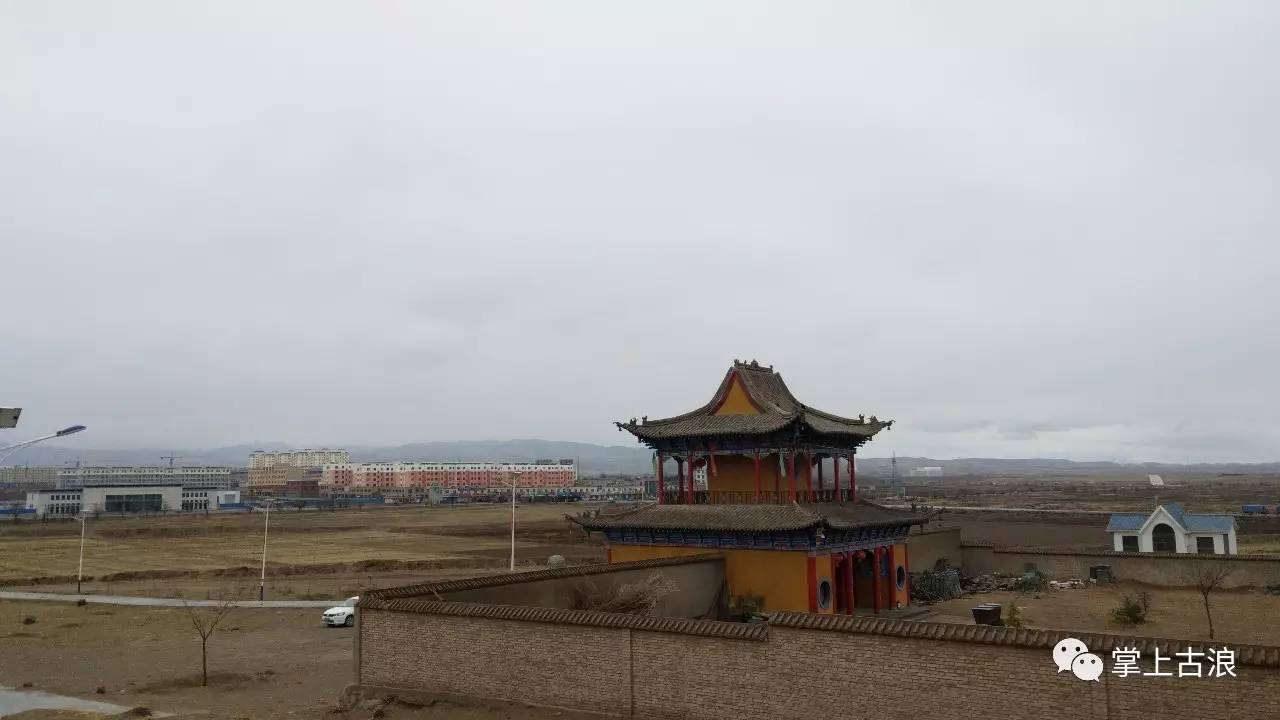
128,500
419,476
190,476
307,458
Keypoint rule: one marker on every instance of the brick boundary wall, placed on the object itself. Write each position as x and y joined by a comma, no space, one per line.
796,666
1160,569
412,643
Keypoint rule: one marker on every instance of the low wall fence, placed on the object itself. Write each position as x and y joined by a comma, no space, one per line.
794,666
1161,569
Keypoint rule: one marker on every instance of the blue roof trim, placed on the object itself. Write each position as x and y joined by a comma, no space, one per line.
1176,510
1210,523
1126,522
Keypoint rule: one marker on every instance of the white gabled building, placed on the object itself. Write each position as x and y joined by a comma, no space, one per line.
1171,529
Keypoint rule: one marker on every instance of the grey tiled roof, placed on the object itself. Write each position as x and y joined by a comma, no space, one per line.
777,408
749,518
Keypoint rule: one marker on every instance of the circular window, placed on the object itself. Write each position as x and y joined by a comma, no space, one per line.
902,577
824,594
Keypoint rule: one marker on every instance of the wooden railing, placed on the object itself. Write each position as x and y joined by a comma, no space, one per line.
751,497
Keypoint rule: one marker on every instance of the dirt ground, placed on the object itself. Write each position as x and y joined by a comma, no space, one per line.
313,555
1113,493
265,664
1238,615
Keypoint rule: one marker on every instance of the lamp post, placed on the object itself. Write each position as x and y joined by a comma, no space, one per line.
80,570
262,581
515,480
8,450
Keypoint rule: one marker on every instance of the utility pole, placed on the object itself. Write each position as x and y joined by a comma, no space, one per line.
515,480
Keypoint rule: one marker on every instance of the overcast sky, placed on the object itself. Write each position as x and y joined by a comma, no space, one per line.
1020,229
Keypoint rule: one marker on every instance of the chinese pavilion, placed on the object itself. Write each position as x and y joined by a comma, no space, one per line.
791,540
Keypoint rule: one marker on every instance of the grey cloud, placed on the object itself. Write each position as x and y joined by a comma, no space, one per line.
378,224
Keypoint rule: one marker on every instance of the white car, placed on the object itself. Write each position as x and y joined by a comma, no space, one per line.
344,614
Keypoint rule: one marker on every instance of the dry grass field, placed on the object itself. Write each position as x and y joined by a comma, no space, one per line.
311,555
282,663
266,664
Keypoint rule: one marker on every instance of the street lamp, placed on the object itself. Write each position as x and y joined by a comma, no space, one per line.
80,570
262,582
11,449
515,480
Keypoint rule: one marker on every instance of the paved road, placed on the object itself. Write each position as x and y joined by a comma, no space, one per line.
15,701
162,602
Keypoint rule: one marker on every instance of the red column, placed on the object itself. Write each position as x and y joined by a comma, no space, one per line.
777,480
662,487
853,480
757,476
875,580
848,584
679,481
906,567
835,472
811,571
791,476
808,475
688,494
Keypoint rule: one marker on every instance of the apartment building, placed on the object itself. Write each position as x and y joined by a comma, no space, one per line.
389,477
307,458
26,476
281,480
206,476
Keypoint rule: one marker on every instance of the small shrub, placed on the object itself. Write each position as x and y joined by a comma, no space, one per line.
1129,612
28,620
1014,618
1032,581
82,602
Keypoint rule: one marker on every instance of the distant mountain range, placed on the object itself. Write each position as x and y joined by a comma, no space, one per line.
598,459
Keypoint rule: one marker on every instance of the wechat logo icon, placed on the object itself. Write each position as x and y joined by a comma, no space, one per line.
1074,656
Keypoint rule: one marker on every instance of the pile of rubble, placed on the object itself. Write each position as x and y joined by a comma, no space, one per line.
988,583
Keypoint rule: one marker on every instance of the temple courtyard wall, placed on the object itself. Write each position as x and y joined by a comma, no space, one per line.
1158,569
518,638
795,666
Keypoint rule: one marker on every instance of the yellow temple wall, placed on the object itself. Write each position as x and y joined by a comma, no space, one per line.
781,577
736,401
738,472
899,558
